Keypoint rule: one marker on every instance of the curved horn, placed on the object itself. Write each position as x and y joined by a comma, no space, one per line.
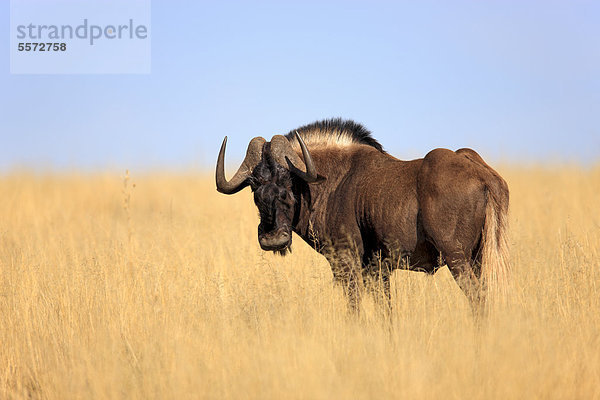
238,182
311,171
284,154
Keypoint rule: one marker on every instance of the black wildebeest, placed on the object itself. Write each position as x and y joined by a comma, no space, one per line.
368,212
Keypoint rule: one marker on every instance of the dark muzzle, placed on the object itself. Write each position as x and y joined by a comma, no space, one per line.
276,240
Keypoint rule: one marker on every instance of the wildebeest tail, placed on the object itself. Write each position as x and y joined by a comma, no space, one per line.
495,248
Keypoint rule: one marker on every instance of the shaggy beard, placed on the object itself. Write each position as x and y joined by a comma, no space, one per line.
284,252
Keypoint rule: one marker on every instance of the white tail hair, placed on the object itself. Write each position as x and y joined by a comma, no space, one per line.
495,251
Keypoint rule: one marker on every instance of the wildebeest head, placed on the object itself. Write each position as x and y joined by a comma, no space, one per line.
269,169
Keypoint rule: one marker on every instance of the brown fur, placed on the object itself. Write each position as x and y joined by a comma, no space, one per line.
373,213
373,206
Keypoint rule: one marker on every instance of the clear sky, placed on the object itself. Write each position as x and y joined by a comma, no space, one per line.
515,80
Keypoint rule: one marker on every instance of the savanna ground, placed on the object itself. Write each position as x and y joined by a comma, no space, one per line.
161,291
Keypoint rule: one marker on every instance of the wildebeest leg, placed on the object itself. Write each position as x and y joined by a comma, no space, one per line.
346,272
386,303
385,281
476,265
382,287
469,282
377,268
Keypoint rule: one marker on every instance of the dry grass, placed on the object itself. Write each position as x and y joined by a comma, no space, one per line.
161,291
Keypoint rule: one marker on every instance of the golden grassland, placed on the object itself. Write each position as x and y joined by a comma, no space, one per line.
161,291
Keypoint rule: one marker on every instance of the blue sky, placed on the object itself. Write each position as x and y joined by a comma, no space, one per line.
515,80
